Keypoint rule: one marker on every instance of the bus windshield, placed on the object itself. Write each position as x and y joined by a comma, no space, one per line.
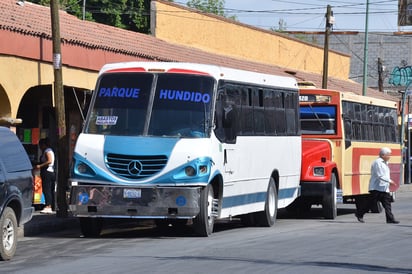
315,119
146,104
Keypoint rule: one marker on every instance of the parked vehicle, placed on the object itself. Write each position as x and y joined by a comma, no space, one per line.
16,191
342,134
186,143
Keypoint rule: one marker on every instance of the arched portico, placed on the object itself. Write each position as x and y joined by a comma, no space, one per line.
38,115
5,108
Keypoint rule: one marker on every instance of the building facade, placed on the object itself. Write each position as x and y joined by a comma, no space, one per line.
26,65
394,50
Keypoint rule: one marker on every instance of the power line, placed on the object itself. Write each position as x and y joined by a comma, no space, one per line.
298,10
299,14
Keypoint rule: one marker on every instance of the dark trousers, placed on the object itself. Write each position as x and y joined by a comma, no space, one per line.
48,181
375,196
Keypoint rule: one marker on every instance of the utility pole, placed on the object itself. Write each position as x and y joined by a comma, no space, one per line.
365,53
84,9
62,145
329,24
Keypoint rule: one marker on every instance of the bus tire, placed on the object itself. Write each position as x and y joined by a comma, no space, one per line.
204,222
267,217
329,203
91,227
8,234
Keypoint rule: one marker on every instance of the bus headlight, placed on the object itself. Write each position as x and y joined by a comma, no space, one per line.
202,169
190,171
196,170
84,169
319,171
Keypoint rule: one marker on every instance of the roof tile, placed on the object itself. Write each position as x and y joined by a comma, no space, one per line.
32,19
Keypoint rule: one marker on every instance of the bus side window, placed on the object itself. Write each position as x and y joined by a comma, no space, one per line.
348,131
219,130
225,119
229,122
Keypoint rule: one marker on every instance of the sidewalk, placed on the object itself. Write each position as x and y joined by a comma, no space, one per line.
48,223
405,188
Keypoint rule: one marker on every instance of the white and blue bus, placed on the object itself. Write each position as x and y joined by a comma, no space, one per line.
175,142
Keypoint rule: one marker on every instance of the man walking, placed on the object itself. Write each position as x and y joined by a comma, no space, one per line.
379,187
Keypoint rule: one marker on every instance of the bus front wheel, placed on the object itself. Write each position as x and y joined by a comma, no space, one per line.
204,222
329,204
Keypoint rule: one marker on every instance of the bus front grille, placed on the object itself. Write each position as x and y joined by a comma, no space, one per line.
135,167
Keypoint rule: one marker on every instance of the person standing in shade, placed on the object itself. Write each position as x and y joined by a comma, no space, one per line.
48,176
379,187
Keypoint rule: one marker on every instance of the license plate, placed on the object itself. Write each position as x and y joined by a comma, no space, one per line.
132,193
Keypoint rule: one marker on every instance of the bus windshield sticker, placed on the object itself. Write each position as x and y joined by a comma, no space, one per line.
119,92
180,95
106,120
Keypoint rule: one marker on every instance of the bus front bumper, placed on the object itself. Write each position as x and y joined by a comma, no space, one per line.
134,202
315,189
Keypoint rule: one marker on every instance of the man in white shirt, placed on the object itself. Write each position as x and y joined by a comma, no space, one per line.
379,187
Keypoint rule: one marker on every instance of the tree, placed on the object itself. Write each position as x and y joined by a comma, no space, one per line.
132,15
209,6
108,12
282,26
71,6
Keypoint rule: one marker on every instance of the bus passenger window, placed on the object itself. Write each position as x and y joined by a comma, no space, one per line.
229,123
348,129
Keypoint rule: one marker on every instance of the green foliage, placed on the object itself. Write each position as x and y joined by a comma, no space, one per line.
108,12
132,15
281,28
209,6
127,14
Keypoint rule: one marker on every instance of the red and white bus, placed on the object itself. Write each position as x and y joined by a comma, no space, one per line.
342,134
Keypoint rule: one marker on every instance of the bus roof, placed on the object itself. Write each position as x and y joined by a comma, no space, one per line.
218,72
350,96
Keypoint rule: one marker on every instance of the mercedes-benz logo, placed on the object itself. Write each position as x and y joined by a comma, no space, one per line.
134,167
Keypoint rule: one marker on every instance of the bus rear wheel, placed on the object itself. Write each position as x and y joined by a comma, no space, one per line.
329,203
268,216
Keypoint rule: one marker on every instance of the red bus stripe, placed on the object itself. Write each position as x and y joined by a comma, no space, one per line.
357,153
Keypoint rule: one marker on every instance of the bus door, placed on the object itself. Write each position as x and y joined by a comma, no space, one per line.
226,128
229,163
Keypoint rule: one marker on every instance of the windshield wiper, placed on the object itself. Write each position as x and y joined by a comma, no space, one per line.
317,117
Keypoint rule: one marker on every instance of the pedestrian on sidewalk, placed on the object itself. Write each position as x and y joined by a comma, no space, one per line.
379,187
47,174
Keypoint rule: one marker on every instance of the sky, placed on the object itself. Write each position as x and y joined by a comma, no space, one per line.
309,15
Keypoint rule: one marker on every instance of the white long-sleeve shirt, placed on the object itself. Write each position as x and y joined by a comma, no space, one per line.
380,176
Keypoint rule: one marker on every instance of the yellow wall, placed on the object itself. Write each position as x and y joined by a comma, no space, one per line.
214,34
18,75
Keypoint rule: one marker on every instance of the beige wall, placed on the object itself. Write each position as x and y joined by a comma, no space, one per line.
179,25
18,75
